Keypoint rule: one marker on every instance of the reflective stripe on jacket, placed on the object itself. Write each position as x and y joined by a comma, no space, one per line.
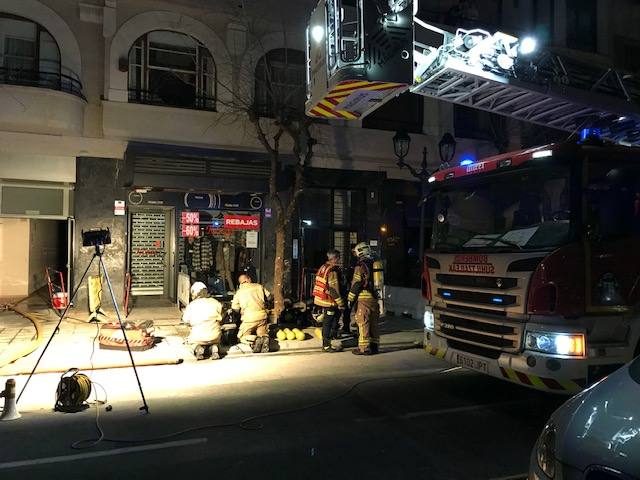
326,289
362,284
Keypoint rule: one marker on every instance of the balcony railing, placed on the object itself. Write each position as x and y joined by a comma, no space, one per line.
195,102
50,80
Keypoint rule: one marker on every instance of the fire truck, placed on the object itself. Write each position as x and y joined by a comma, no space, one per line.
533,273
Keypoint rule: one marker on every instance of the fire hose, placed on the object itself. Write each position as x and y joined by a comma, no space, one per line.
34,344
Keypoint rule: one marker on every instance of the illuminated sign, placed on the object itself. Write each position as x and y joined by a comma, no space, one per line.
242,222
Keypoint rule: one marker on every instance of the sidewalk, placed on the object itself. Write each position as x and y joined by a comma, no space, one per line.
73,345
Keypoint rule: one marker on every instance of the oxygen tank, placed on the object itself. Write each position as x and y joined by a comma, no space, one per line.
281,335
290,334
378,283
299,334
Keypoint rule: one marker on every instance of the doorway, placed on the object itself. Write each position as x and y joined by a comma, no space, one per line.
151,252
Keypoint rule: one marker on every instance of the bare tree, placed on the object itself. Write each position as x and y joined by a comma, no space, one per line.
277,120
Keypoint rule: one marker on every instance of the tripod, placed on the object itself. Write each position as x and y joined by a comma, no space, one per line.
99,250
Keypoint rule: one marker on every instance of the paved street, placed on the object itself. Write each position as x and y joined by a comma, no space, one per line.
401,414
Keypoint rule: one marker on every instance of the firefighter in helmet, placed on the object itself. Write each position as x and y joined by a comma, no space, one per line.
366,294
203,315
326,295
250,302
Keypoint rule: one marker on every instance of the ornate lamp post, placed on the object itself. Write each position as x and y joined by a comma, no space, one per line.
446,149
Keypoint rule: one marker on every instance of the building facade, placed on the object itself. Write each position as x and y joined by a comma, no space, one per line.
121,114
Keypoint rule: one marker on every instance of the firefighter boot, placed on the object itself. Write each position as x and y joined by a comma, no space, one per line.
265,345
200,352
215,353
365,352
374,349
257,345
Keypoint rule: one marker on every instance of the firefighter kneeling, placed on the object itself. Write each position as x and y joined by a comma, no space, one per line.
250,301
366,292
204,316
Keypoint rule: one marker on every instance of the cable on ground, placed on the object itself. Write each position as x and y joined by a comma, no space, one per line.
249,423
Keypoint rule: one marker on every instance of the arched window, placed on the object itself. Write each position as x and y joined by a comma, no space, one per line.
172,69
280,83
29,55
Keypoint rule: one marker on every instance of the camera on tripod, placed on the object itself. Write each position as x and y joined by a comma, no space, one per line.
96,237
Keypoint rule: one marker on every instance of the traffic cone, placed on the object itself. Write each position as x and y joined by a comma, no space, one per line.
10,410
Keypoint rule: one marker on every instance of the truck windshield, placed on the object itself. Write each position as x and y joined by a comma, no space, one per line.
524,209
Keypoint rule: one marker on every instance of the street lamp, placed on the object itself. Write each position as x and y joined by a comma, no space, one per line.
446,150
401,143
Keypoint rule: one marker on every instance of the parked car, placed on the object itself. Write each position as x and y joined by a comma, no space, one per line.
594,435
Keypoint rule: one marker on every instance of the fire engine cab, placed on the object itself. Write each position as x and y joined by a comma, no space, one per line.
533,273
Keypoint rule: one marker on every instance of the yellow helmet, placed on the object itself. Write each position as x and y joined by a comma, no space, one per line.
362,250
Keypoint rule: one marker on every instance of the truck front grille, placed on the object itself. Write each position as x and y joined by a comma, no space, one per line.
491,332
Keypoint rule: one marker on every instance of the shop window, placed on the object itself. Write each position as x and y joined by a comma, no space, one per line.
29,55
172,69
582,25
280,83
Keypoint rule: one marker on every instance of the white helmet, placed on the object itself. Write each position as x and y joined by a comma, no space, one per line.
362,250
196,288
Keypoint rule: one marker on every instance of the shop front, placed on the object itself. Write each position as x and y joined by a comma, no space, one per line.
184,228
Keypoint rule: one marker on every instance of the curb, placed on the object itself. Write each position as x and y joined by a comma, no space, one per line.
311,350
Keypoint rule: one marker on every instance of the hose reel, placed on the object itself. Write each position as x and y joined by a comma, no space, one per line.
73,391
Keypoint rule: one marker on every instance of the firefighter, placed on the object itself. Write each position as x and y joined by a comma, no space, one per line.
250,301
327,296
203,315
366,295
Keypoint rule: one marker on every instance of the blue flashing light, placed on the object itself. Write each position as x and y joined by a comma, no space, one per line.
587,133
446,294
497,300
465,162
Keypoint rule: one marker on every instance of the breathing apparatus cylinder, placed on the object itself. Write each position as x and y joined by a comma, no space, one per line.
378,284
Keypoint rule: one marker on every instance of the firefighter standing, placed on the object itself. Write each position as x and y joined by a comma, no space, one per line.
250,302
203,315
327,295
365,293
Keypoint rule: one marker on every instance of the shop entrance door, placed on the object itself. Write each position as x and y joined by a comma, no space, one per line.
150,252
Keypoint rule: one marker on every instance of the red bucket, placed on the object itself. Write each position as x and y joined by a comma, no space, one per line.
59,300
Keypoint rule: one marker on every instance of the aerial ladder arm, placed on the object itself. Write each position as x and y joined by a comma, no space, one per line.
363,53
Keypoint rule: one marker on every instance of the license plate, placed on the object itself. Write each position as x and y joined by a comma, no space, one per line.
472,363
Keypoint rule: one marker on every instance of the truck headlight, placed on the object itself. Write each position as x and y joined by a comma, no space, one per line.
546,450
429,320
556,343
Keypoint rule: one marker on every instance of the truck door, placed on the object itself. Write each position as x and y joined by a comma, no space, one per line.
612,196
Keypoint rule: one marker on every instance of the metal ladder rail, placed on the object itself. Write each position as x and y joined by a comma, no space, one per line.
550,91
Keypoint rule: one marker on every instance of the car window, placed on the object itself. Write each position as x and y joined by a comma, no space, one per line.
634,370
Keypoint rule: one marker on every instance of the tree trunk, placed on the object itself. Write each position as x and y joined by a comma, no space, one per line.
278,268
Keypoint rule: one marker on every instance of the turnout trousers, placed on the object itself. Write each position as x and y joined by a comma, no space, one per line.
367,317
256,327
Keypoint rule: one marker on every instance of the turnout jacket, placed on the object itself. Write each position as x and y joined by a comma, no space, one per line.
327,288
362,283
250,300
204,316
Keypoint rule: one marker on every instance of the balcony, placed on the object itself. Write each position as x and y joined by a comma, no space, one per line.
173,99
50,80
41,102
